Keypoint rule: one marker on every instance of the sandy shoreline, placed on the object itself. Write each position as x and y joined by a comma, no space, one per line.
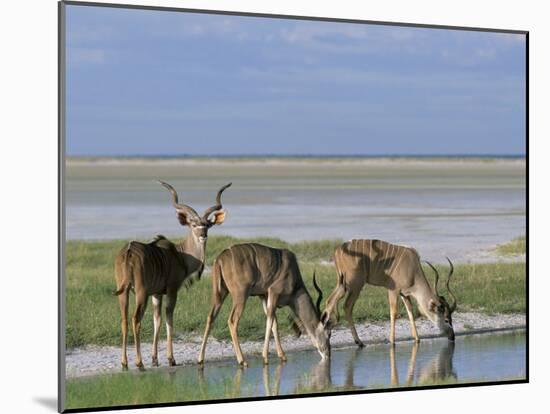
294,162
94,360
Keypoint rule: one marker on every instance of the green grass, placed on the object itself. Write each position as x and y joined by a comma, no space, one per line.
155,387
93,315
166,386
512,248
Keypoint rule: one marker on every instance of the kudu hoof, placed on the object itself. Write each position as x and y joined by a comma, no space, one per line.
243,364
360,344
172,362
283,358
140,366
124,366
266,361
155,362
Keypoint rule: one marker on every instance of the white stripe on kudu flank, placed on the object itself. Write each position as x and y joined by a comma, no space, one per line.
365,257
395,254
379,253
403,250
371,257
392,256
233,262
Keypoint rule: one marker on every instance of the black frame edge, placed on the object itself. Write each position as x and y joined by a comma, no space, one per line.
292,17
61,111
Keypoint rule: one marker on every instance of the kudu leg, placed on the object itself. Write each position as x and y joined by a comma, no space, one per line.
233,323
214,310
278,347
123,301
141,304
171,298
275,331
408,305
348,311
270,313
393,300
157,307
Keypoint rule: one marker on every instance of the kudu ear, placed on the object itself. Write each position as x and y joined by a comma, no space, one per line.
217,217
182,218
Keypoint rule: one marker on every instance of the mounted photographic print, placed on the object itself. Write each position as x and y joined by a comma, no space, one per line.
257,207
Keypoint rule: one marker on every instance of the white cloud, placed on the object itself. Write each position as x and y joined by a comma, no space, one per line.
198,26
352,38
307,33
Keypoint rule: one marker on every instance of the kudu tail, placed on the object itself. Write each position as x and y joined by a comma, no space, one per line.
218,285
124,269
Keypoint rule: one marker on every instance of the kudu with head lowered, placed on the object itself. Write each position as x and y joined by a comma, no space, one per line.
160,268
398,269
251,269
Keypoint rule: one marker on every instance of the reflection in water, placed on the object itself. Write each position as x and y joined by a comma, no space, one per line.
489,357
394,376
318,379
276,379
437,369
424,367
440,367
349,382
378,366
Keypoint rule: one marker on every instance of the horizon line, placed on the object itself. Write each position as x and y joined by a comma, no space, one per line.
267,155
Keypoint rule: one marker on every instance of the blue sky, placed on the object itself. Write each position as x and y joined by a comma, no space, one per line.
163,83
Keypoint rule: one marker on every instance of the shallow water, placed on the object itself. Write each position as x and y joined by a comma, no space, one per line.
441,209
472,358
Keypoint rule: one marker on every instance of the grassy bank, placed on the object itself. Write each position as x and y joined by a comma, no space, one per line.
93,314
514,247
155,387
171,386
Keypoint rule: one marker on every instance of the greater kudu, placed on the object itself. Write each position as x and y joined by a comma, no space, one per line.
251,269
398,269
160,268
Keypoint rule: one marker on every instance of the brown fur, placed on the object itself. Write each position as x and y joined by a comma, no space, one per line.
273,275
159,268
396,268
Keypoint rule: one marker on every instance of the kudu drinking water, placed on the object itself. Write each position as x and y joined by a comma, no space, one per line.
251,269
159,268
398,269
